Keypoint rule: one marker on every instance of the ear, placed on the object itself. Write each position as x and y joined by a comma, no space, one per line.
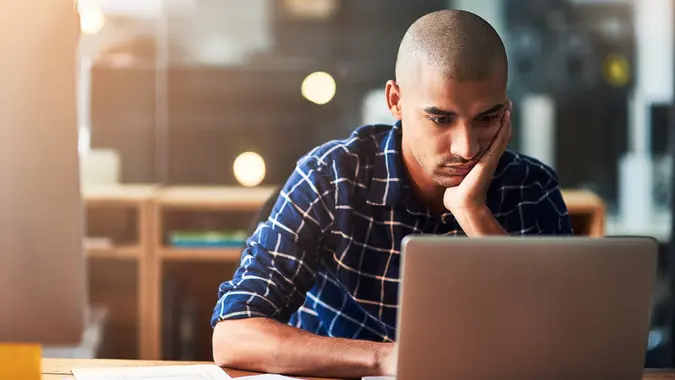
393,95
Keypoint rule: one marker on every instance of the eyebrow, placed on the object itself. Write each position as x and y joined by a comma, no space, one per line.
433,110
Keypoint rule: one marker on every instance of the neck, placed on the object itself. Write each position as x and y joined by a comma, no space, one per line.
424,188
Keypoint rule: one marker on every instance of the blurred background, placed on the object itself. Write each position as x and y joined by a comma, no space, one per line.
191,111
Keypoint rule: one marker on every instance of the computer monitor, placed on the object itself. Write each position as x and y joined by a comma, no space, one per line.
42,268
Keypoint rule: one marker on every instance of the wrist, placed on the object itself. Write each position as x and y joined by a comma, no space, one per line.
469,211
479,221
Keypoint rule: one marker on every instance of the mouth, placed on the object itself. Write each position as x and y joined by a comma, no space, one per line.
457,170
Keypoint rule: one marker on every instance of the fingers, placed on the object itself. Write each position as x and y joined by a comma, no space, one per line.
490,159
503,134
502,138
506,129
500,142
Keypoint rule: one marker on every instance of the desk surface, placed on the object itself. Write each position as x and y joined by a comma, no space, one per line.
59,369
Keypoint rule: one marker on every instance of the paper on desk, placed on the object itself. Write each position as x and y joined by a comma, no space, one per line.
182,372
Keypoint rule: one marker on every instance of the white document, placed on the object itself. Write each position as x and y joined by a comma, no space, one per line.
174,372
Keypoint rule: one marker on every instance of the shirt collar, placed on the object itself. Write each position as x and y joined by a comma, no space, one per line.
389,180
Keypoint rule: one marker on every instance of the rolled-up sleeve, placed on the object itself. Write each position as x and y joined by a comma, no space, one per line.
278,264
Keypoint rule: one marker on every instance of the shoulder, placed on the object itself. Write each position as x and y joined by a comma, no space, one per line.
342,157
520,169
527,197
521,179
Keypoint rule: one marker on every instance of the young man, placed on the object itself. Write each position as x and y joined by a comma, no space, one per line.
316,293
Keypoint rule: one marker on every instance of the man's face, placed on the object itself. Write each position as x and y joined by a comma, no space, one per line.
447,124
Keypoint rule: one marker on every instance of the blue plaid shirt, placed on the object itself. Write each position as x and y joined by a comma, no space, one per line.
327,259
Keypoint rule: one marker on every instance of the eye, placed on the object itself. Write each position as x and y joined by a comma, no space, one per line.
489,118
442,120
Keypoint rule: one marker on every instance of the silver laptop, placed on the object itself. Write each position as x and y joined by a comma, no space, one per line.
525,308
42,268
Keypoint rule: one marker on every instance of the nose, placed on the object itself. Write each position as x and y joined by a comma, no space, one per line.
463,142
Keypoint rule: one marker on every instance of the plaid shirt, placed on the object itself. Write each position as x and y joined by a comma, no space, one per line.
327,259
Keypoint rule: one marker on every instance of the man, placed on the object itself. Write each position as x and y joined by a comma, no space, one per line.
316,293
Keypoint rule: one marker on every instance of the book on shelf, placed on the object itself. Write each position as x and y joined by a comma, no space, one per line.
207,239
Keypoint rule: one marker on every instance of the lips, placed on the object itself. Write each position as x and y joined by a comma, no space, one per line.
457,170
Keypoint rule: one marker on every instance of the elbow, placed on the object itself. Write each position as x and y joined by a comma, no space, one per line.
221,357
240,344
224,343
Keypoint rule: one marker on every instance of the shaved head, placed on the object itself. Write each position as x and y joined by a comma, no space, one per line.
461,44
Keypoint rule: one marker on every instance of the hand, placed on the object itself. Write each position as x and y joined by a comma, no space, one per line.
471,192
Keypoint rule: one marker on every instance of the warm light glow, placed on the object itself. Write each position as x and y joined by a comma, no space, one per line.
91,21
616,70
249,169
312,9
318,87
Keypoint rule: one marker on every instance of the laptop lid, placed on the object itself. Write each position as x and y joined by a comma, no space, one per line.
525,308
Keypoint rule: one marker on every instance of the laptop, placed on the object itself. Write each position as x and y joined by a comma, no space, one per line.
525,308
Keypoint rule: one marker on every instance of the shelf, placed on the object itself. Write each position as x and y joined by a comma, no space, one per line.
231,255
112,194
114,253
214,197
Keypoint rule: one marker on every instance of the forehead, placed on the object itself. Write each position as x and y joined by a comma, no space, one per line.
435,88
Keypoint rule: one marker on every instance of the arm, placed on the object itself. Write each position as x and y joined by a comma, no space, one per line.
266,345
277,269
479,222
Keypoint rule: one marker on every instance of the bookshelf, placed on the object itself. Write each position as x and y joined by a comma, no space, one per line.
117,247
150,285
187,277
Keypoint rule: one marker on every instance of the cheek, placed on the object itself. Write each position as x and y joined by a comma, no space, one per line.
485,137
440,144
484,145
433,142
425,144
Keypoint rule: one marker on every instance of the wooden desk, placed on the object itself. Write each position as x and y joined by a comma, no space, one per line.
53,369
59,369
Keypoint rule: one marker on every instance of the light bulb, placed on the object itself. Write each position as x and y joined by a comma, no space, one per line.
318,87
249,169
91,20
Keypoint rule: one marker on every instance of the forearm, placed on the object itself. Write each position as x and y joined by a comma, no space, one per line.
479,222
265,345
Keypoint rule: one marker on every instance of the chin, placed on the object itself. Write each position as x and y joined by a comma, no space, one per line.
449,181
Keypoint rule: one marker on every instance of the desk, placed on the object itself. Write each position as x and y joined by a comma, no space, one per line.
59,369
